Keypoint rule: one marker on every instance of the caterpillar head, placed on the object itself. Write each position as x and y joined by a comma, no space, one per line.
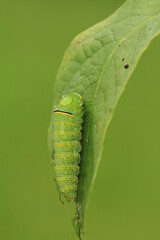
70,103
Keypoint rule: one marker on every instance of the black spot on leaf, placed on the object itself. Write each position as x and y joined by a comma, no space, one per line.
126,65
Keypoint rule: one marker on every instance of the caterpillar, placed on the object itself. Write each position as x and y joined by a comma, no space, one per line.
66,127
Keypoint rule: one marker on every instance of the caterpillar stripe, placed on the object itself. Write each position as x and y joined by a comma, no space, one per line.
66,127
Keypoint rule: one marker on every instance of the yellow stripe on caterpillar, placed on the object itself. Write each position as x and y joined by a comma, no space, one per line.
78,95
63,133
66,179
66,168
67,114
68,123
67,188
65,156
63,144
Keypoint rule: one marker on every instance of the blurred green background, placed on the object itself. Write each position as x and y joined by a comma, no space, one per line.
126,196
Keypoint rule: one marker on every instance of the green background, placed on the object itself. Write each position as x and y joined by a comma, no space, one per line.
126,196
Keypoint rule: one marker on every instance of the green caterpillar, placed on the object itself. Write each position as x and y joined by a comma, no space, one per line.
66,129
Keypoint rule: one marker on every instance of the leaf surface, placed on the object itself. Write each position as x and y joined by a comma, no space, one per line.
98,64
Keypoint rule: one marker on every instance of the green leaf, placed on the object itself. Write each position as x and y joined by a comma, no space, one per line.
98,64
